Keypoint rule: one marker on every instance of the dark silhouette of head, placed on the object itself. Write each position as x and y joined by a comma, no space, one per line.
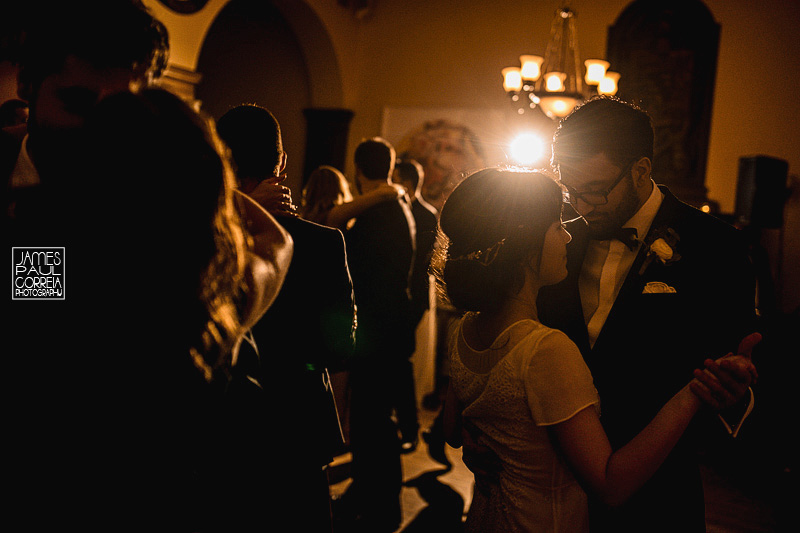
410,174
374,159
254,137
71,56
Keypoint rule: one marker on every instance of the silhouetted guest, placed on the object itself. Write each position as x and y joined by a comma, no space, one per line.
71,56
410,174
309,329
380,248
327,198
326,187
127,411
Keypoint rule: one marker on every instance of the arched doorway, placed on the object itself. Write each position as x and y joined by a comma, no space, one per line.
252,55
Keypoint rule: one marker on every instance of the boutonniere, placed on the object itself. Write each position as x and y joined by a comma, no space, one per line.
662,246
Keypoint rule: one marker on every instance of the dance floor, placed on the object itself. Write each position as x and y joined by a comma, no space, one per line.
435,498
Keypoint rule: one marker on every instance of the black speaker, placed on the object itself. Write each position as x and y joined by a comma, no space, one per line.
761,191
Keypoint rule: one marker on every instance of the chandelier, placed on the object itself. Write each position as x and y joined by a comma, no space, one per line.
553,83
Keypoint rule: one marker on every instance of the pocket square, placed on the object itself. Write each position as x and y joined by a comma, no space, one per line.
658,287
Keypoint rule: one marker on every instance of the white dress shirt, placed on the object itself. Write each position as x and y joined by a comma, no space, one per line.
606,266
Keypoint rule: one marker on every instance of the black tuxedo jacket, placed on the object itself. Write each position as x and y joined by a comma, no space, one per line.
380,250
426,219
309,327
312,320
651,342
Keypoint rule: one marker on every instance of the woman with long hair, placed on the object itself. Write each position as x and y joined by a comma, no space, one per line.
171,267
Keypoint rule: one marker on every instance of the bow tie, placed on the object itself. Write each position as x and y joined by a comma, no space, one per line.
628,237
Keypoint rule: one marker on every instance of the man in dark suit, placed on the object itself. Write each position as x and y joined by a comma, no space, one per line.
309,329
410,174
380,248
645,307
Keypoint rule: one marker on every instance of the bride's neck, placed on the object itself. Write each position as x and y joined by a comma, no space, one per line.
488,326
521,306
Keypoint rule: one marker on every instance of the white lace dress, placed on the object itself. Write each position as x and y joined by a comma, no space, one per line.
531,377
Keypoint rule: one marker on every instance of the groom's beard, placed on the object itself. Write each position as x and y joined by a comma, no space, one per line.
602,225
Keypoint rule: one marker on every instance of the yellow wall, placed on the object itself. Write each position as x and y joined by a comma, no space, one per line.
449,53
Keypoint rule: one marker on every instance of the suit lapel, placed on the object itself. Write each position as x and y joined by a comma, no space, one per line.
634,281
572,306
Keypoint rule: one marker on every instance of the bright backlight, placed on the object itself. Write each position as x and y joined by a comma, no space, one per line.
527,149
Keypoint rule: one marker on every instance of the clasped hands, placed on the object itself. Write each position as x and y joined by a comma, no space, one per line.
721,385
724,381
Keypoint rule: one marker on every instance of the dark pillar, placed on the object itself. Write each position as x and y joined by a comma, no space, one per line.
326,138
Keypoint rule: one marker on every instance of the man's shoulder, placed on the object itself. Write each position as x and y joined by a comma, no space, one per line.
301,226
696,228
312,237
424,211
388,212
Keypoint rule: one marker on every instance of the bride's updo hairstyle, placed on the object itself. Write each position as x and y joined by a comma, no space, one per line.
490,229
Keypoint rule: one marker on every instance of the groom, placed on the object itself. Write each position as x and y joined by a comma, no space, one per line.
646,305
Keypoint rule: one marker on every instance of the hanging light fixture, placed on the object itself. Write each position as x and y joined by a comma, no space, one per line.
553,82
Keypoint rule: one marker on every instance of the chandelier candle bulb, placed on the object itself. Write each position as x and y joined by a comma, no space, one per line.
595,70
554,81
531,67
608,85
557,107
512,79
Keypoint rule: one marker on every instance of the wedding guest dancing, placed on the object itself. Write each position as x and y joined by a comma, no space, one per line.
71,54
380,251
327,198
169,266
522,388
309,330
646,311
411,176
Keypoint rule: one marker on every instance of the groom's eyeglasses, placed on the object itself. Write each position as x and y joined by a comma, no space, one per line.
595,198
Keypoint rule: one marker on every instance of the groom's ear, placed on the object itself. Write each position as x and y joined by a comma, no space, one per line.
641,170
282,165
